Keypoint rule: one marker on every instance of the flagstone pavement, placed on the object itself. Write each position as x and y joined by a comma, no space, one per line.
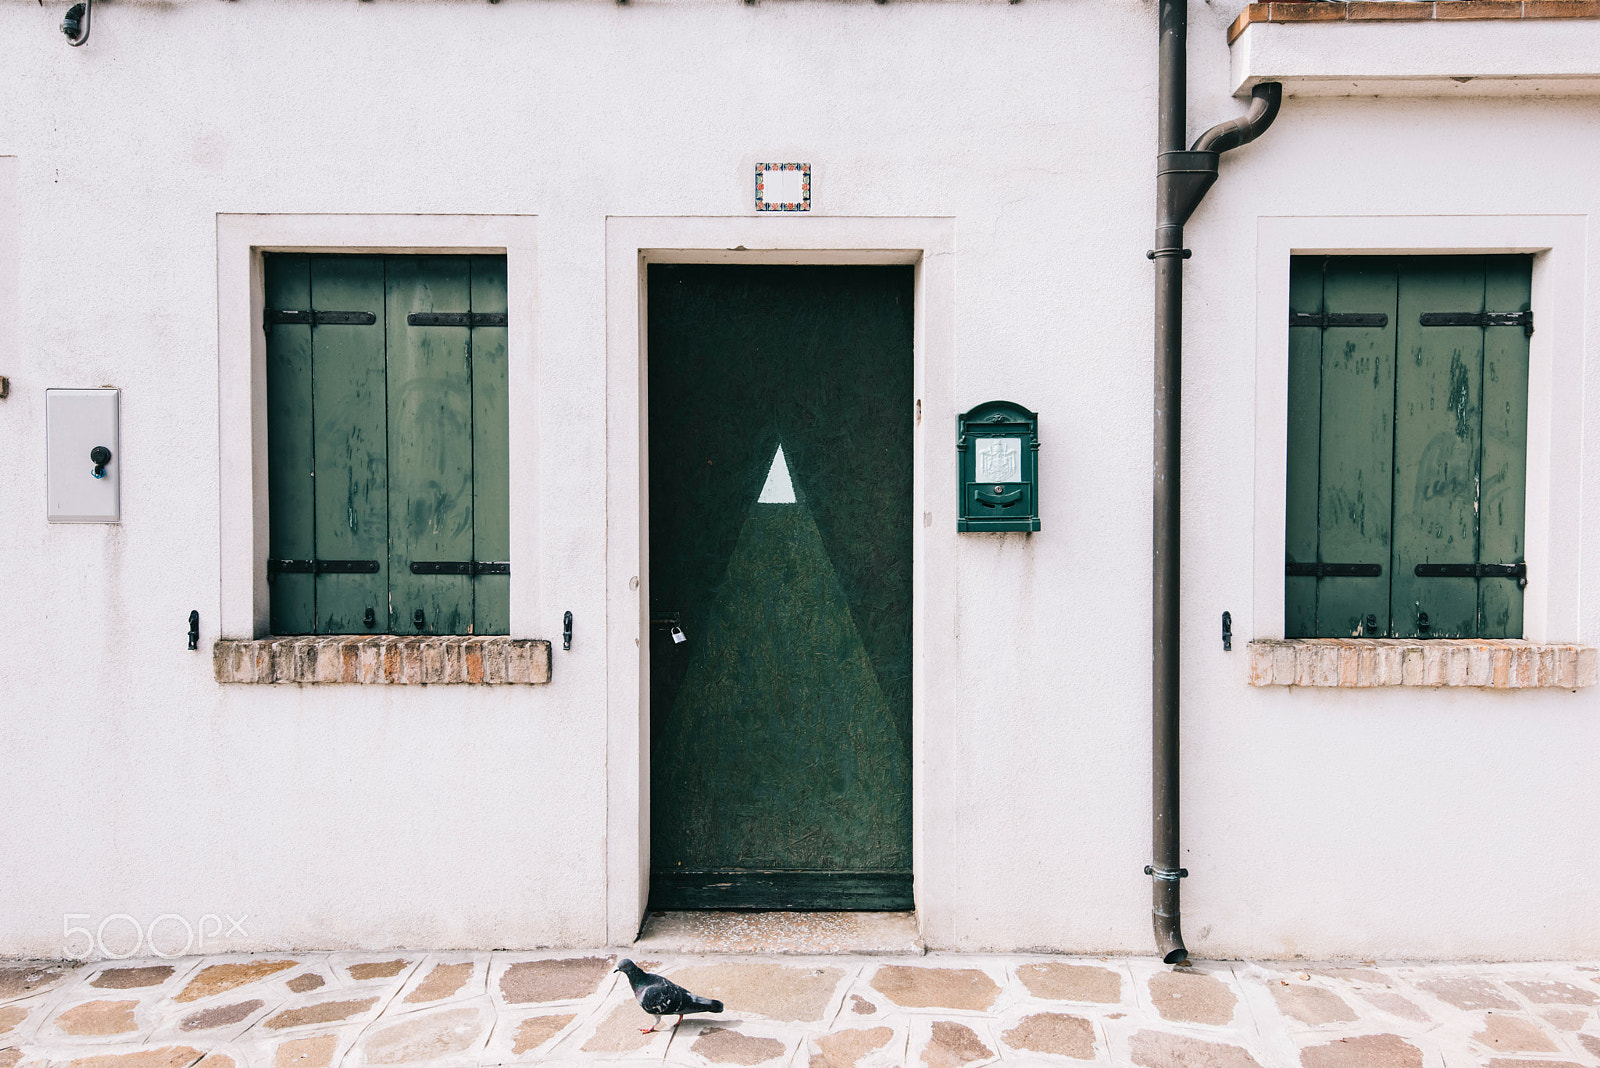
461,1010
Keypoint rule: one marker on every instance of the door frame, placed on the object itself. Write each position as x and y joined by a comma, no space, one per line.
632,243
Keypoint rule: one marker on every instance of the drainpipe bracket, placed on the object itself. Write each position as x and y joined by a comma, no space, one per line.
1171,875
1151,254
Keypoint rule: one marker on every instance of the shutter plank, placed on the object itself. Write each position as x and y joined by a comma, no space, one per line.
491,450
1355,494
291,493
1438,425
351,428
1305,402
1508,287
430,444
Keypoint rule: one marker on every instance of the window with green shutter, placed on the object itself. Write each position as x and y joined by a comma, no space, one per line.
387,439
1407,446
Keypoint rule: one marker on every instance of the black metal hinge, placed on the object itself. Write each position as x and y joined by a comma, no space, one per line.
460,567
289,317
321,567
1338,319
1480,318
1516,571
456,319
1333,570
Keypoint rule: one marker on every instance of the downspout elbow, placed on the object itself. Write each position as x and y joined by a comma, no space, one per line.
1265,99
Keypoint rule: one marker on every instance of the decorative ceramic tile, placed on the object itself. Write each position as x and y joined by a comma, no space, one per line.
783,187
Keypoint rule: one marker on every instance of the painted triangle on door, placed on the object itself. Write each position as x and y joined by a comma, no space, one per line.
779,488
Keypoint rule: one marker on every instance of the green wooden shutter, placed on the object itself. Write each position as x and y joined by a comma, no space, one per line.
1304,446
1355,495
1341,444
430,445
291,483
491,450
1415,433
1439,420
350,418
1508,286
388,443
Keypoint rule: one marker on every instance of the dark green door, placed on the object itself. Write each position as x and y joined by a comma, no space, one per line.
781,415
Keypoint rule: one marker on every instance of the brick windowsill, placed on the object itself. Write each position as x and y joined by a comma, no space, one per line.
384,660
1412,11
1361,662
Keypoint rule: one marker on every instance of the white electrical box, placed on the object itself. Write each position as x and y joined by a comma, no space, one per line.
82,456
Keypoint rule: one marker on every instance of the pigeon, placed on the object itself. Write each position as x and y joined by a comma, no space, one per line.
660,996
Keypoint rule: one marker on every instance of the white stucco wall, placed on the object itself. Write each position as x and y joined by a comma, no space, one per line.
1403,823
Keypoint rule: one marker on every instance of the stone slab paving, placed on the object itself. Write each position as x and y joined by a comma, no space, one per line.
463,1010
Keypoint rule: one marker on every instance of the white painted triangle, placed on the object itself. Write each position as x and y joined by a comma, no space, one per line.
779,488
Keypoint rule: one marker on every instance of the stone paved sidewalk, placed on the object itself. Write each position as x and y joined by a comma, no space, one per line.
460,1010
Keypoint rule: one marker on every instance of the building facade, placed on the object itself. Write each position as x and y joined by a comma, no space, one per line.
460,369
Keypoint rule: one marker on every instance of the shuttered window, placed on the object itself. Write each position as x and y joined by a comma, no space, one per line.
387,438
1407,447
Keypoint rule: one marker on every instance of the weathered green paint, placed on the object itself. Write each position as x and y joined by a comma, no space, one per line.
291,485
781,727
430,444
1357,450
1507,287
352,488
1420,440
1439,422
1304,455
491,450
388,442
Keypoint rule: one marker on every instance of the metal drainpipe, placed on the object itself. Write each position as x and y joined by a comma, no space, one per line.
1182,179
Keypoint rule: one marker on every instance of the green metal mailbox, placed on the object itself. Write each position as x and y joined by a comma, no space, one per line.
998,446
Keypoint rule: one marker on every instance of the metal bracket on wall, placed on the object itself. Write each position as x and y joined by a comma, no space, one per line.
566,631
194,629
1227,632
76,24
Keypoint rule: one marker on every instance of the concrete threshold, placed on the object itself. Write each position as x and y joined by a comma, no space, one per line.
782,933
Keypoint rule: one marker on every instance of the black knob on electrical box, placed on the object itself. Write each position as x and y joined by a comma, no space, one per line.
99,456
